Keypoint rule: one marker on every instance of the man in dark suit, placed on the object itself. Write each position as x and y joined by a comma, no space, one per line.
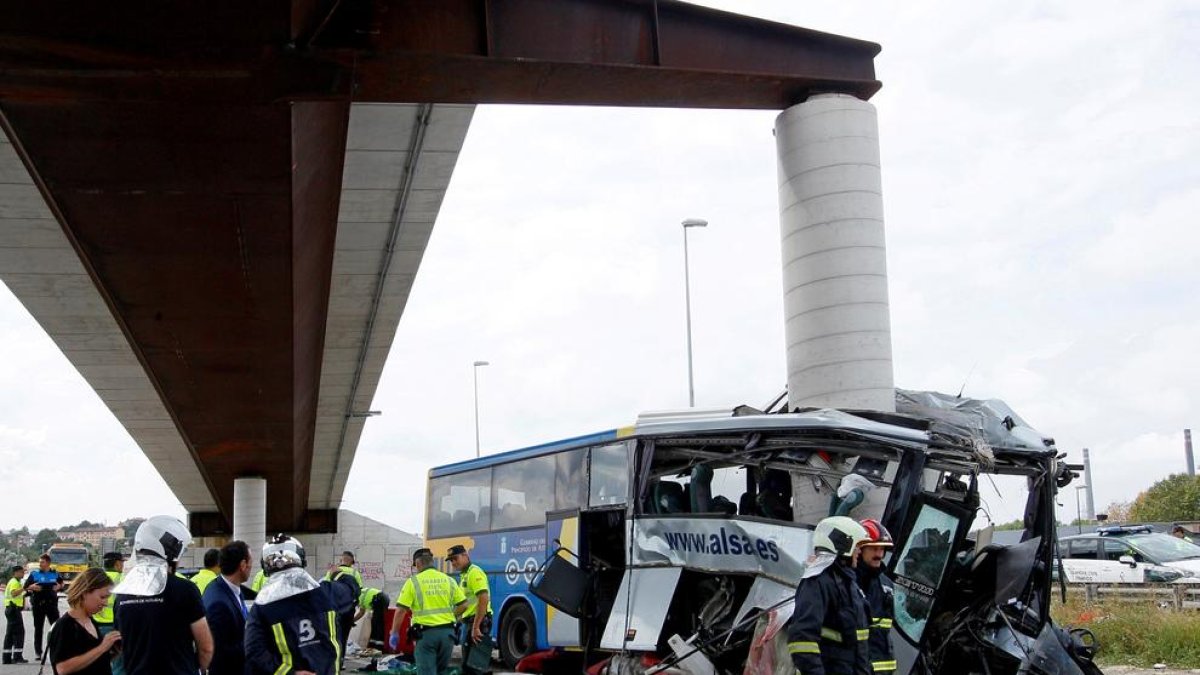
226,610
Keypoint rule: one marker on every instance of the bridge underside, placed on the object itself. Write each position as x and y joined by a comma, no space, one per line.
217,211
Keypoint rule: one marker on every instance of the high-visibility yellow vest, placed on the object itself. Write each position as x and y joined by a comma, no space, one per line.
432,596
10,600
367,597
106,615
203,578
259,580
474,581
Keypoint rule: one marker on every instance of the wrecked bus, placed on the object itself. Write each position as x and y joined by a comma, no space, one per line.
676,545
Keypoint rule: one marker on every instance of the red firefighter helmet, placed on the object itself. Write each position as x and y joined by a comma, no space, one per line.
877,534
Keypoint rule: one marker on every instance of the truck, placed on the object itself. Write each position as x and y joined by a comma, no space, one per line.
69,559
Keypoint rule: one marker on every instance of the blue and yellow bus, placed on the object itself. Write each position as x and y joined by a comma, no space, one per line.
694,528
505,508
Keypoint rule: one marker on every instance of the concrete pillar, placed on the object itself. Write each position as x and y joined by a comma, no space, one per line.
1187,451
1087,477
250,514
839,350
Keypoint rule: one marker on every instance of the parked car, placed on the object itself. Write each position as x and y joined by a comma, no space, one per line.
1129,555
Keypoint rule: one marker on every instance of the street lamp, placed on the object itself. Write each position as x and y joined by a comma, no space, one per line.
1078,511
687,298
476,372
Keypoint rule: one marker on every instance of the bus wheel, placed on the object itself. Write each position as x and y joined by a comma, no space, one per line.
518,634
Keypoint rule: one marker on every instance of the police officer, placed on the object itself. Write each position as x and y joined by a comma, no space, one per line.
878,589
477,619
114,562
212,570
43,585
830,624
346,566
14,603
376,601
435,602
292,627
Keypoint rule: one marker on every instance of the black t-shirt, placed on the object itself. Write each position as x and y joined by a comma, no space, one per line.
156,630
68,639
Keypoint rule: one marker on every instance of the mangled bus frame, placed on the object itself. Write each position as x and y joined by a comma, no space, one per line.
716,527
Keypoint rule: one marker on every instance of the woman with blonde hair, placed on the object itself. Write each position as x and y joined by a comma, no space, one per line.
76,645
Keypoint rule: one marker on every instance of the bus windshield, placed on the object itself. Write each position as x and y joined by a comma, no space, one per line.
69,556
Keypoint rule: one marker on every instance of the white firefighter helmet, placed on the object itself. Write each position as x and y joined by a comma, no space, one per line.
839,535
162,536
282,552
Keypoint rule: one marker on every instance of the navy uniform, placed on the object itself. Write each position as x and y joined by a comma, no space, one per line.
877,587
878,590
293,624
295,633
830,624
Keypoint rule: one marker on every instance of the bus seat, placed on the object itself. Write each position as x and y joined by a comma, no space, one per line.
721,504
746,505
485,517
669,497
700,494
440,522
464,520
511,515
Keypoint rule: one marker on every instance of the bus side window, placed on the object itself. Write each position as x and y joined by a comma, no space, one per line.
609,475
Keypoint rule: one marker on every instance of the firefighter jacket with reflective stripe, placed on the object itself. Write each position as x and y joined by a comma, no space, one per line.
830,625
294,633
432,597
878,589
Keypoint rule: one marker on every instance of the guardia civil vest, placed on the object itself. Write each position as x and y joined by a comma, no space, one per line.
432,596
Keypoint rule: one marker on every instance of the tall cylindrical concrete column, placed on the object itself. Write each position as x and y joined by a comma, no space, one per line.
250,514
839,350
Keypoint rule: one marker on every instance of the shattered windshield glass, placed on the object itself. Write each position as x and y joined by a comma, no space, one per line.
920,567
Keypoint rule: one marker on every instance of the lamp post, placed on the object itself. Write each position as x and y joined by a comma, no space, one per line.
476,373
1078,511
687,299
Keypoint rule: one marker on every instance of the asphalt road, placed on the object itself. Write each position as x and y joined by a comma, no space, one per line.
352,663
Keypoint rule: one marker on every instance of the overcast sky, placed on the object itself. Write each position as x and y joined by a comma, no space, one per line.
1041,192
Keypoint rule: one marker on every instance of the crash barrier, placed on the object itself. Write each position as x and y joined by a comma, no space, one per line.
1176,596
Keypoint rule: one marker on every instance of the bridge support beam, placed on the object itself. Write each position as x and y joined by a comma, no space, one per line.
839,347
250,513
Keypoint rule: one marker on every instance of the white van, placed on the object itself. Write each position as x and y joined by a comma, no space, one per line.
1129,555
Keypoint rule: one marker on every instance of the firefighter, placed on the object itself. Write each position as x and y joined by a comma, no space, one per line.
292,627
435,602
477,619
878,589
830,624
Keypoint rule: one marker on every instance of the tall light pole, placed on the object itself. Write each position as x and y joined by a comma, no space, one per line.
476,372
687,299
1078,511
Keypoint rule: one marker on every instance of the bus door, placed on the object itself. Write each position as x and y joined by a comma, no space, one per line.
562,531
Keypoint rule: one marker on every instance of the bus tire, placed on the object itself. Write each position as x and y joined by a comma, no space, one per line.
517,635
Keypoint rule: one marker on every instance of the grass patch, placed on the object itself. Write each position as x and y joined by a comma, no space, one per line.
1135,634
